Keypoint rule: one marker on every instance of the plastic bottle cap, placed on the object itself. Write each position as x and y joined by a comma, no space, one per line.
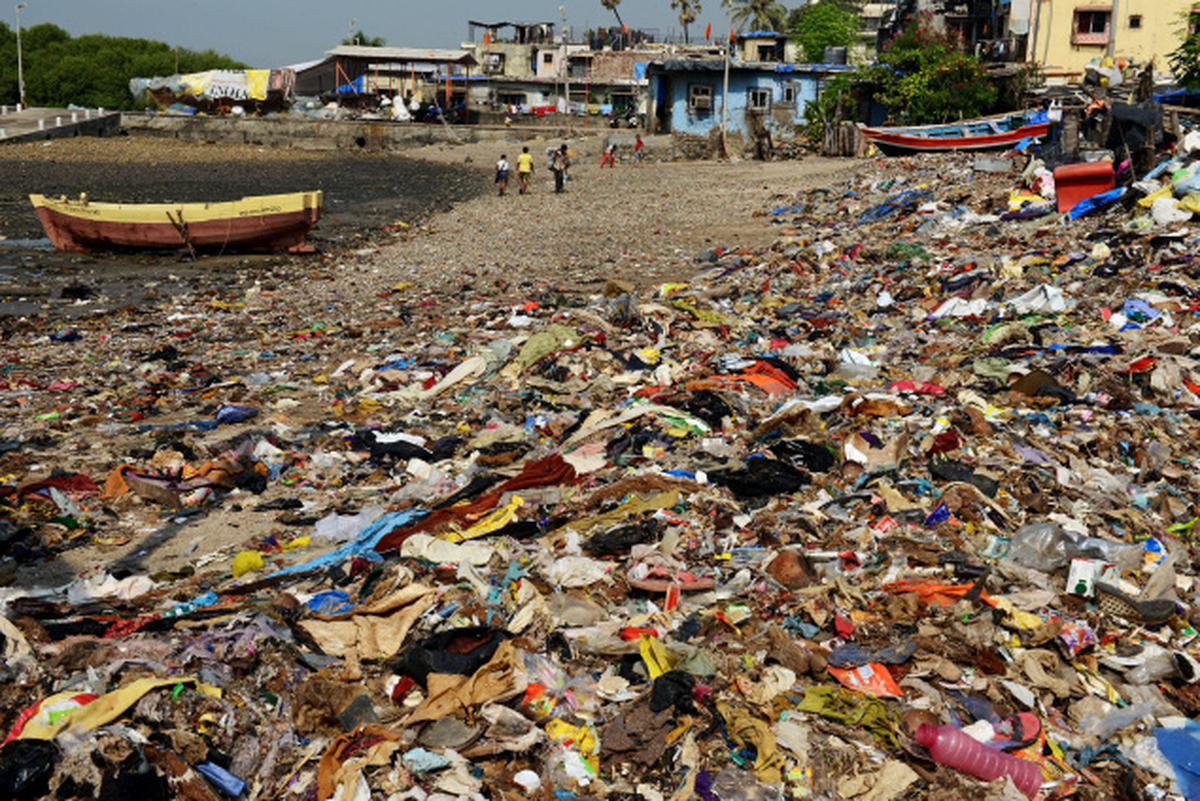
926,735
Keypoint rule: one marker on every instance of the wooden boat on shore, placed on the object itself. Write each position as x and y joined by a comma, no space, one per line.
264,223
990,133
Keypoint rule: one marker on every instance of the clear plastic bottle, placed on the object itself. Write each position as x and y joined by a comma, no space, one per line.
950,746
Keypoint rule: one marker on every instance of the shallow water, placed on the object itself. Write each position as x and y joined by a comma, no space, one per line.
42,244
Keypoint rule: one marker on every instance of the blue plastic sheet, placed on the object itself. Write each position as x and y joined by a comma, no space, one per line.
362,545
1088,205
228,414
331,603
225,781
1159,169
905,201
1181,747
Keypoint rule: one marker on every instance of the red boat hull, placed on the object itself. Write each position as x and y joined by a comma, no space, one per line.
908,143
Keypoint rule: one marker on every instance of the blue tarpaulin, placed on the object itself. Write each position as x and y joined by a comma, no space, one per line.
362,545
1088,205
1181,747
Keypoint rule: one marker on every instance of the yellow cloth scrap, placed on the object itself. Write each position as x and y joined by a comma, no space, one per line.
655,655
256,83
582,737
634,506
1149,199
1018,618
747,730
103,710
247,562
489,524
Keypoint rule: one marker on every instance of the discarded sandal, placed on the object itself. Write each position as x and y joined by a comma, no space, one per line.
1113,601
660,580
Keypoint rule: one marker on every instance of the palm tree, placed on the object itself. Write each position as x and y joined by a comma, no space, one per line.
611,5
759,15
363,40
688,11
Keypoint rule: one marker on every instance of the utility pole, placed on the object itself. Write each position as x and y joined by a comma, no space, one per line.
20,62
1031,45
725,99
1112,30
566,65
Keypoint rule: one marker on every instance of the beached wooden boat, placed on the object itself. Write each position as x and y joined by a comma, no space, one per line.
265,223
990,133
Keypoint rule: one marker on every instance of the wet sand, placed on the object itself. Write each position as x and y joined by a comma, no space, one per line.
364,193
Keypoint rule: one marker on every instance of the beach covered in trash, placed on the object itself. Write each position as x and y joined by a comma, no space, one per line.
899,496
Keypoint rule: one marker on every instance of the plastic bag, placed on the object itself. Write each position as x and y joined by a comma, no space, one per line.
1114,721
1047,546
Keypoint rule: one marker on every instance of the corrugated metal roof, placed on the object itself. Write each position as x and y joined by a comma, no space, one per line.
507,23
404,54
717,65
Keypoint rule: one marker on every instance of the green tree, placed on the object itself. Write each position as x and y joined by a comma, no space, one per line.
922,77
91,70
925,77
821,25
1185,59
8,61
756,15
688,11
362,40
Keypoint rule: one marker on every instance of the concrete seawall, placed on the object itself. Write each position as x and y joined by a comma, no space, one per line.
35,124
305,134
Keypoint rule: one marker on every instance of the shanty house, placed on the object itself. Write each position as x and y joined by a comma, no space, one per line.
392,71
687,96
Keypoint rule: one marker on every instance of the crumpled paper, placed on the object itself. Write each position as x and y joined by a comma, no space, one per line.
375,631
498,680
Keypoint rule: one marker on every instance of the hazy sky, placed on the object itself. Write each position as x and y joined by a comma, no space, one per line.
272,33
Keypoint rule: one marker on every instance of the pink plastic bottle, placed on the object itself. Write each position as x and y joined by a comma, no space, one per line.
951,747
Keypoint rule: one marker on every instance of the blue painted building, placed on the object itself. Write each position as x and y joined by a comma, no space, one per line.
686,95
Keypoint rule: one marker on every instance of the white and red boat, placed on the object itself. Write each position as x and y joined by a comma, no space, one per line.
989,133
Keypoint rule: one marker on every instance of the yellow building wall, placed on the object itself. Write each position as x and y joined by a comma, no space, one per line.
1059,56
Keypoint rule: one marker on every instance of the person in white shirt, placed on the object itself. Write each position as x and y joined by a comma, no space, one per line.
502,174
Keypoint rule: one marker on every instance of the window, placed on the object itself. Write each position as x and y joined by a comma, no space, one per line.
493,62
547,58
700,97
1135,21
511,98
1091,25
760,99
789,93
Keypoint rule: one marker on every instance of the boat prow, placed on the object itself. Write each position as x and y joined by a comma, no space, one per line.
263,223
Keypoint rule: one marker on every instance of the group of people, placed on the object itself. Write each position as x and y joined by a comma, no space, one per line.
560,162
610,153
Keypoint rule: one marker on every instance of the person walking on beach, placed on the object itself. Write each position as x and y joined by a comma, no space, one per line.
560,164
610,156
524,169
502,174
639,151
